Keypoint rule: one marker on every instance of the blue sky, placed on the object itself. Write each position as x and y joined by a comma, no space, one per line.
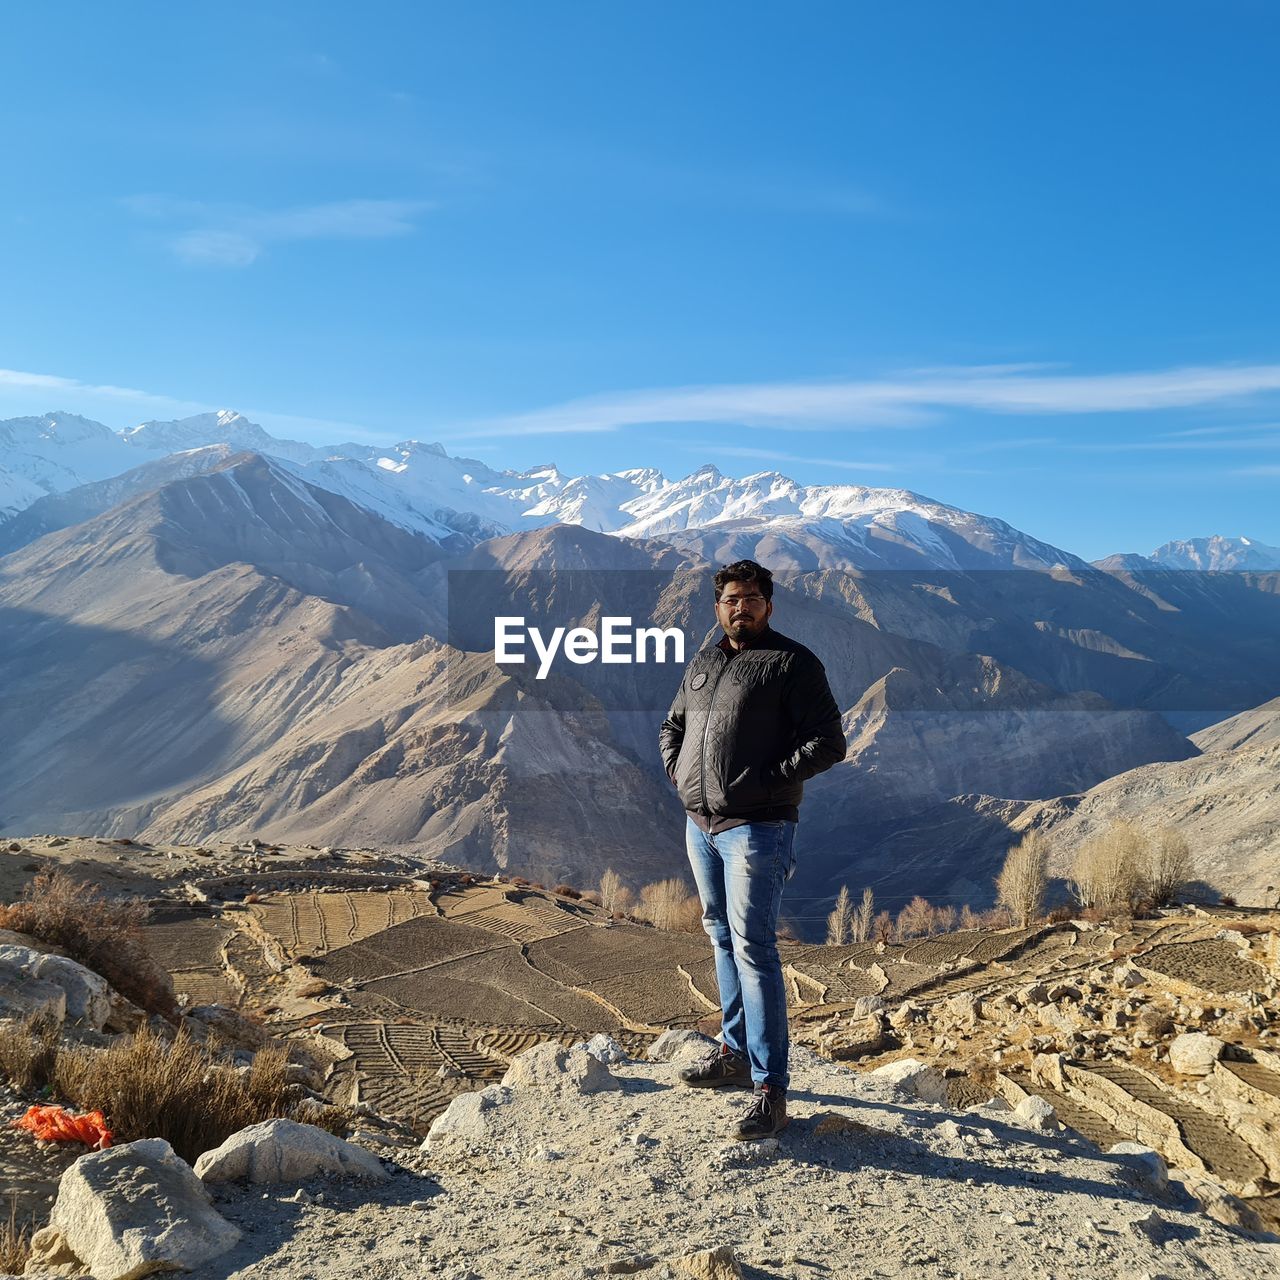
1018,257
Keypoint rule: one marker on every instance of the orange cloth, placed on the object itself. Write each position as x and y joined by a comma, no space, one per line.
58,1125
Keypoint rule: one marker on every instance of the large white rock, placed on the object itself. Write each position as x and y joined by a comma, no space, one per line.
286,1151
88,994
137,1208
22,996
1035,1112
913,1079
552,1066
678,1044
1193,1053
606,1048
468,1117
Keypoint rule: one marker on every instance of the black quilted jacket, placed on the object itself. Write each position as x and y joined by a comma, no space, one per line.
746,730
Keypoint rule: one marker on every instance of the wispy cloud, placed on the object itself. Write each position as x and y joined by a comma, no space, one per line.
1265,469
230,235
907,401
1226,431
774,455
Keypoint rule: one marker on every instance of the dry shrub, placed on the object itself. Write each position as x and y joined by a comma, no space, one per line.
668,904
15,1241
1021,883
982,1072
567,891
152,1088
104,934
592,898
28,1052
1060,914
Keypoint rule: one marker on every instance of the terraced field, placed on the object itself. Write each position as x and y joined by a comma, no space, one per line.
1211,964
430,992
193,949
313,924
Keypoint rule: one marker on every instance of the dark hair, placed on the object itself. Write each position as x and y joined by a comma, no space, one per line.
745,571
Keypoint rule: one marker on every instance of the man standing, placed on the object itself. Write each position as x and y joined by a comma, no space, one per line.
753,719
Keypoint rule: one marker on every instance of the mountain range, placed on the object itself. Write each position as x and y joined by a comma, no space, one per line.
203,629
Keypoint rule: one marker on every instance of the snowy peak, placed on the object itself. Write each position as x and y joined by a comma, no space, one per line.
225,426
1214,553
420,487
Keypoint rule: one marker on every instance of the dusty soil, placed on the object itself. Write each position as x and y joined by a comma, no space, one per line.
862,1183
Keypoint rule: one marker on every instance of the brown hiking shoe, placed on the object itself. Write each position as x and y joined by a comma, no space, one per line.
765,1117
720,1067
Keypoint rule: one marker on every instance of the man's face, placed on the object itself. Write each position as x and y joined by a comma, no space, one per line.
742,610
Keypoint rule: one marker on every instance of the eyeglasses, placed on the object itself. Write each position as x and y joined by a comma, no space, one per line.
749,600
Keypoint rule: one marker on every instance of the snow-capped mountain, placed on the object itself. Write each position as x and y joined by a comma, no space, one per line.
54,453
421,487
1215,553
223,427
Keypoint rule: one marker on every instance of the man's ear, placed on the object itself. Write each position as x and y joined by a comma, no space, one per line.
768,610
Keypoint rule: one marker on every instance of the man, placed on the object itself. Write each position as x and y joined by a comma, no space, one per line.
754,718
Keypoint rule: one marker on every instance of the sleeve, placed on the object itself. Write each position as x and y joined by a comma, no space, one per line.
819,735
671,735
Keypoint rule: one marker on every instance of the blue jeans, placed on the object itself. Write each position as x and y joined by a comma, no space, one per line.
740,874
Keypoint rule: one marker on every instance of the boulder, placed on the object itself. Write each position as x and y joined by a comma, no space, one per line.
25,997
1146,1167
719,1263
1216,1201
912,1078
1193,1053
229,1025
552,1066
678,1043
605,1049
286,1151
1034,995
88,995
906,1013
1034,1112
137,1208
468,1117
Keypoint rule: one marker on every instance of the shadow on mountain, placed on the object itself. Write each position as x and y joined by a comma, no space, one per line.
104,718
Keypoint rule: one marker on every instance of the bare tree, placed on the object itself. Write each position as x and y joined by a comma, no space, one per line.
915,918
882,929
614,895
668,904
1170,865
1109,869
944,919
1021,883
840,921
866,914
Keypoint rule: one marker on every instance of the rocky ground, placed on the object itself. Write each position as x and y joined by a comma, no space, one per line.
631,1173
408,988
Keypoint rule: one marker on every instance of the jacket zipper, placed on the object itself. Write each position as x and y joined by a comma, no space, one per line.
706,728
